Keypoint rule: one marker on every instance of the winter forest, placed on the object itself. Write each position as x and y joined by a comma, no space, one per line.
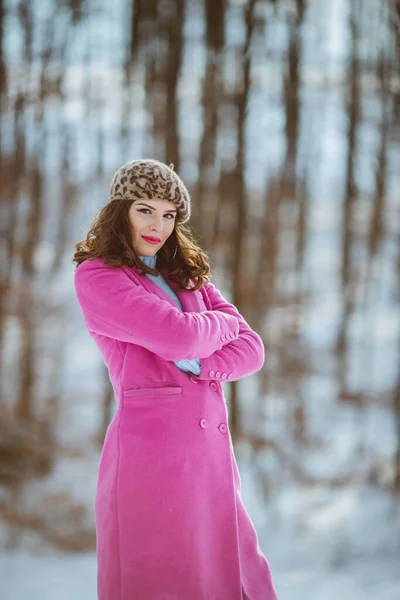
283,119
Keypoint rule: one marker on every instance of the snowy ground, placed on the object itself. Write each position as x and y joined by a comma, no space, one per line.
74,577
321,545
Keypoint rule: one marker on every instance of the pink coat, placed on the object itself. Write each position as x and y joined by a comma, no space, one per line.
170,521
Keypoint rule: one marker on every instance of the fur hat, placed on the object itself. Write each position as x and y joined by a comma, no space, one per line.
147,178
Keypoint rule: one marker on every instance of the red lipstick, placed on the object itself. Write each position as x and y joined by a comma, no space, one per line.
151,240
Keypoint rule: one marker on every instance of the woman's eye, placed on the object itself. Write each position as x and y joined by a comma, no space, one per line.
147,209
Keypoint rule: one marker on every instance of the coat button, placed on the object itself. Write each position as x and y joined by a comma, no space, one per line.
211,373
203,423
223,376
223,336
223,428
213,386
193,379
217,374
230,376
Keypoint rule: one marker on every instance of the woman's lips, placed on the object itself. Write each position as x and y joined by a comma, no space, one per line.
151,240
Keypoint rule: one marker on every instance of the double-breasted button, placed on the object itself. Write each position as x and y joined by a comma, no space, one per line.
203,423
193,379
211,373
223,376
217,375
223,428
230,376
213,386
222,336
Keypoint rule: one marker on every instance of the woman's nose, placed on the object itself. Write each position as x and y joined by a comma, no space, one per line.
157,223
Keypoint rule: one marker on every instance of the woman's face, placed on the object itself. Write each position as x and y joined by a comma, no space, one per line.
154,219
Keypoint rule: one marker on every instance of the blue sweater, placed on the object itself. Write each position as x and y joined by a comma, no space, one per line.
184,364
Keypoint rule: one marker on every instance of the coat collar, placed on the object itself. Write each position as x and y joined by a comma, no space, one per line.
191,301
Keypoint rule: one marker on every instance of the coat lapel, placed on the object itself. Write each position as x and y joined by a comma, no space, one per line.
191,301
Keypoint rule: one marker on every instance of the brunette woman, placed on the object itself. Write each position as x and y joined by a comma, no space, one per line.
170,521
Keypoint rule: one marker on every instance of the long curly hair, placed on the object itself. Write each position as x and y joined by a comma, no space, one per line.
110,238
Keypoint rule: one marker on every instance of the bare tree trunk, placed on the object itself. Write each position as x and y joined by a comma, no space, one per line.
241,215
292,105
206,207
174,35
350,191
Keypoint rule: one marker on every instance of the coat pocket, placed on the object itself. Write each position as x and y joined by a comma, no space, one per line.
153,392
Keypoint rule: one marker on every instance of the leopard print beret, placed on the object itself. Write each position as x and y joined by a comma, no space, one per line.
151,179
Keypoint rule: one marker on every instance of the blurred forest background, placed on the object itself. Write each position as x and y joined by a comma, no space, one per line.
282,117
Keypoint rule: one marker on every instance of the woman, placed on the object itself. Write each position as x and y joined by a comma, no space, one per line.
170,521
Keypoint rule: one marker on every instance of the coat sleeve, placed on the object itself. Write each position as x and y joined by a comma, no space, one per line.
243,356
114,306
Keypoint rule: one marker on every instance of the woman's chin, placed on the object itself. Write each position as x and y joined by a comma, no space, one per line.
146,251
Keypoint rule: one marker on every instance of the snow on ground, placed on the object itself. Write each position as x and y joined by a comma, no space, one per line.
74,577
320,544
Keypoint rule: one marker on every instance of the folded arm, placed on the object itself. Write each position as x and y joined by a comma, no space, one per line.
114,306
243,356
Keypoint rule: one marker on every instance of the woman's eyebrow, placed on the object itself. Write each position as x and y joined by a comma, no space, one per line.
148,205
